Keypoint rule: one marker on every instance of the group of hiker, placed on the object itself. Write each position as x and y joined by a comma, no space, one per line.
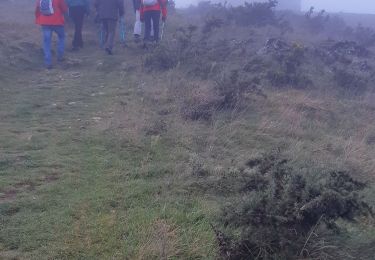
50,15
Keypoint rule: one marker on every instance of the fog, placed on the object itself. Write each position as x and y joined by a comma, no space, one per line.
349,6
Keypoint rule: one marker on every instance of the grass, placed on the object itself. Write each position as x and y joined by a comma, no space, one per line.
103,203
80,179
96,161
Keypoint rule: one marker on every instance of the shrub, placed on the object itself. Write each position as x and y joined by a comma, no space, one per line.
212,23
206,7
161,59
198,109
281,208
349,81
229,93
171,6
364,35
201,104
287,71
248,14
184,37
255,14
233,90
316,23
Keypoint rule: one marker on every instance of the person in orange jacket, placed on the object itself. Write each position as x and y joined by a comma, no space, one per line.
49,14
151,10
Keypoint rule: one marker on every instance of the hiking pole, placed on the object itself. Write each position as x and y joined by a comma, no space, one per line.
122,30
101,35
100,30
162,30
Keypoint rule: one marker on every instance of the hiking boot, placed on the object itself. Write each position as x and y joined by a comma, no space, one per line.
61,59
108,51
49,67
137,38
75,49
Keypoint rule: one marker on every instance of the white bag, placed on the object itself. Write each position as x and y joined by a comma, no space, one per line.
138,24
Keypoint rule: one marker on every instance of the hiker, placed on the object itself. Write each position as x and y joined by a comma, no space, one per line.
49,14
77,11
138,23
151,10
109,12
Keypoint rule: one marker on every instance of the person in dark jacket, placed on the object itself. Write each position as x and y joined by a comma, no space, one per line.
77,11
151,10
109,12
138,23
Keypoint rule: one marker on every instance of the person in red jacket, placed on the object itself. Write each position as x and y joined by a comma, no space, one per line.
49,15
151,10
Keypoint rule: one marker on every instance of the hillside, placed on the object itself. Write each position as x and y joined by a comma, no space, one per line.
238,137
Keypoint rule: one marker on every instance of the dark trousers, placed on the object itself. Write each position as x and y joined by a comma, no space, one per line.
77,13
154,17
109,31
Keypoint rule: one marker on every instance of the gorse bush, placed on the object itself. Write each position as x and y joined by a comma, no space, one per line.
364,35
255,14
171,6
161,59
349,81
285,64
316,23
211,23
248,14
280,208
233,90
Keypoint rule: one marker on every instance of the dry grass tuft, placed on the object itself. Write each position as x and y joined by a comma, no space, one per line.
161,242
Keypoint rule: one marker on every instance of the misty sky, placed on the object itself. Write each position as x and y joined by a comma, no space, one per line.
353,6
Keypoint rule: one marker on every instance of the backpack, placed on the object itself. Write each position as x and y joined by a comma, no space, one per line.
46,7
150,2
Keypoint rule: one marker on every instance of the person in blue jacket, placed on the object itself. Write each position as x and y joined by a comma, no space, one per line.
77,11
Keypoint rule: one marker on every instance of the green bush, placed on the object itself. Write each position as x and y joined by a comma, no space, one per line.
349,81
255,14
161,59
316,23
280,208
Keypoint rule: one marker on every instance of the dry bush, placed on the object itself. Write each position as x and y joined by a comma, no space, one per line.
200,104
197,166
230,92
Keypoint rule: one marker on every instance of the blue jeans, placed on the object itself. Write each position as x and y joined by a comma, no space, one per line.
47,31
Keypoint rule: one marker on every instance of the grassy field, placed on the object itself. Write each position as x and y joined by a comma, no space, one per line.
97,162
80,179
